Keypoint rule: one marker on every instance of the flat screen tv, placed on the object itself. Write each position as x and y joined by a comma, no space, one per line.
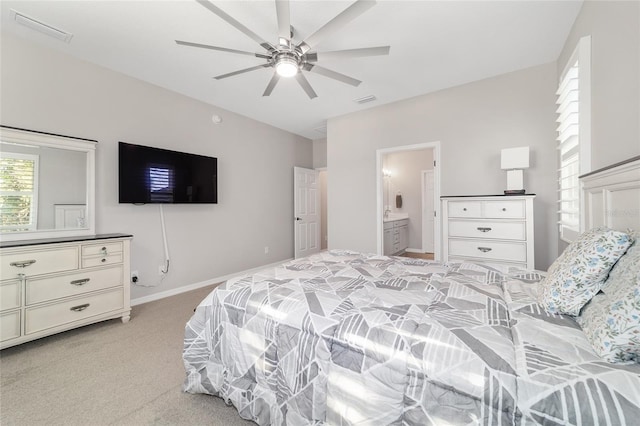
154,175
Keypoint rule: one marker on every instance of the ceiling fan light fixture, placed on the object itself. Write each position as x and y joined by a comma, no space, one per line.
286,66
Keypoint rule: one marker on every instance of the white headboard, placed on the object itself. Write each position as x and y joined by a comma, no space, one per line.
611,196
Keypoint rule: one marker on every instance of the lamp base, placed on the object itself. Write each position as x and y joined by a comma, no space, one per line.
514,192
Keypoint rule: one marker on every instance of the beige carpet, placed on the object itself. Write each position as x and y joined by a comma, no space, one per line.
110,374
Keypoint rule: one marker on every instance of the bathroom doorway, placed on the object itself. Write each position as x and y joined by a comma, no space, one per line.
408,200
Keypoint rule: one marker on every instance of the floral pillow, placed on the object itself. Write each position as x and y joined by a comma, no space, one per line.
613,327
611,321
627,268
579,272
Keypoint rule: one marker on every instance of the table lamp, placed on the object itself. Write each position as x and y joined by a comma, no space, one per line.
514,160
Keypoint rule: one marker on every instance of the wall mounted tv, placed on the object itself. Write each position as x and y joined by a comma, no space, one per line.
154,175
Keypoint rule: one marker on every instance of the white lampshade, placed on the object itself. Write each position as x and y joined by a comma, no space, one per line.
515,158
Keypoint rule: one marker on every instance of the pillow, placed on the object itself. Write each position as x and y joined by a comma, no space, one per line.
626,269
611,322
579,272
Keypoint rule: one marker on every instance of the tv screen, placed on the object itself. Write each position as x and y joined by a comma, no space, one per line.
154,175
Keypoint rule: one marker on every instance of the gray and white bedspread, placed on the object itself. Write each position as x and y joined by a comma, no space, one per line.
345,338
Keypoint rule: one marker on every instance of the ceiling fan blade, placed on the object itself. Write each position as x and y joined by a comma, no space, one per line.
222,14
272,83
342,19
284,19
306,86
222,49
348,54
332,74
231,74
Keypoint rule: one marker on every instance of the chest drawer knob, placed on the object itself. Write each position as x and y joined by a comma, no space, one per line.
483,229
80,282
504,209
79,308
484,249
464,209
103,260
23,263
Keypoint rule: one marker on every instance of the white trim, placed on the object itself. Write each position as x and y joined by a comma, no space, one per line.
380,153
195,286
581,55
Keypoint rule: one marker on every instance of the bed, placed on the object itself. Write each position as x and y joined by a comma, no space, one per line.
349,338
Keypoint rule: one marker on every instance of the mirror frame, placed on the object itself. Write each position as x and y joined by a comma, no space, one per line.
41,139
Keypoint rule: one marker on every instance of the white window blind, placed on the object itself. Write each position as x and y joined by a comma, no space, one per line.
573,97
18,191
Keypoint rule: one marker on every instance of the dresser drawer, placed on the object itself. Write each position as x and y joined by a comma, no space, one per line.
465,208
49,316
38,262
489,250
10,292
488,230
507,209
104,249
9,325
89,262
51,288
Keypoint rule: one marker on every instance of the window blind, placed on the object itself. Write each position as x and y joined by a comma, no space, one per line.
18,186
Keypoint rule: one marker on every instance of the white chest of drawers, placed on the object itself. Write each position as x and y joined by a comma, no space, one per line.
491,229
51,286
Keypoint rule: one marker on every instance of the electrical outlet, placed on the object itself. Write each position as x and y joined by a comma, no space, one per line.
266,249
135,277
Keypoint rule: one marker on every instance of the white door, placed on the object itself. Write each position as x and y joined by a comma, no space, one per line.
428,211
306,212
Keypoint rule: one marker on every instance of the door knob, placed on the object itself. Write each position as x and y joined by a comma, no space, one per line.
297,218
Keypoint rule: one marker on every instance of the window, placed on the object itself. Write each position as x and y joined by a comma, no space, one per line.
18,191
161,184
574,137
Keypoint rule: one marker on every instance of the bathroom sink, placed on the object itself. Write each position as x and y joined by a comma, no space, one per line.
395,216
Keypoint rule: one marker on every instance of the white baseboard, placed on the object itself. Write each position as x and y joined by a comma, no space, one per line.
195,286
412,250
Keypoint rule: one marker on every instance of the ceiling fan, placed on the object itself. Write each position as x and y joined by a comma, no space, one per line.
290,59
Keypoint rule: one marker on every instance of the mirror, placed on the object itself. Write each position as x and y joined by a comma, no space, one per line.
46,185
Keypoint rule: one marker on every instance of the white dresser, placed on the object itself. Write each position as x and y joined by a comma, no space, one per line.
494,229
49,286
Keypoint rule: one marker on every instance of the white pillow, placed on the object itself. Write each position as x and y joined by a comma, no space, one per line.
579,272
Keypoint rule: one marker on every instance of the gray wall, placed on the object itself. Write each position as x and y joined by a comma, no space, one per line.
320,153
473,122
48,91
614,27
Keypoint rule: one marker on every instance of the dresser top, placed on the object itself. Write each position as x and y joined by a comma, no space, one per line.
490,195
23,243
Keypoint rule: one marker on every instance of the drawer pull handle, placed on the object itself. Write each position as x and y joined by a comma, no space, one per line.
483,229
79,308
484,249
23,263
80,282
504,209
103,260
464,209
103,250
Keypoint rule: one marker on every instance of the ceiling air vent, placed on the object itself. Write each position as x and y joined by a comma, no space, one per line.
365,99
41,27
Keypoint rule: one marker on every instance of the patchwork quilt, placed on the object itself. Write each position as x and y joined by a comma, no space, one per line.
347,338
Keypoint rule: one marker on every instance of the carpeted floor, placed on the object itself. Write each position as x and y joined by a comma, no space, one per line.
110,374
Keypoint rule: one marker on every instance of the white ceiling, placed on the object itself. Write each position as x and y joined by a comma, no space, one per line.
434,45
